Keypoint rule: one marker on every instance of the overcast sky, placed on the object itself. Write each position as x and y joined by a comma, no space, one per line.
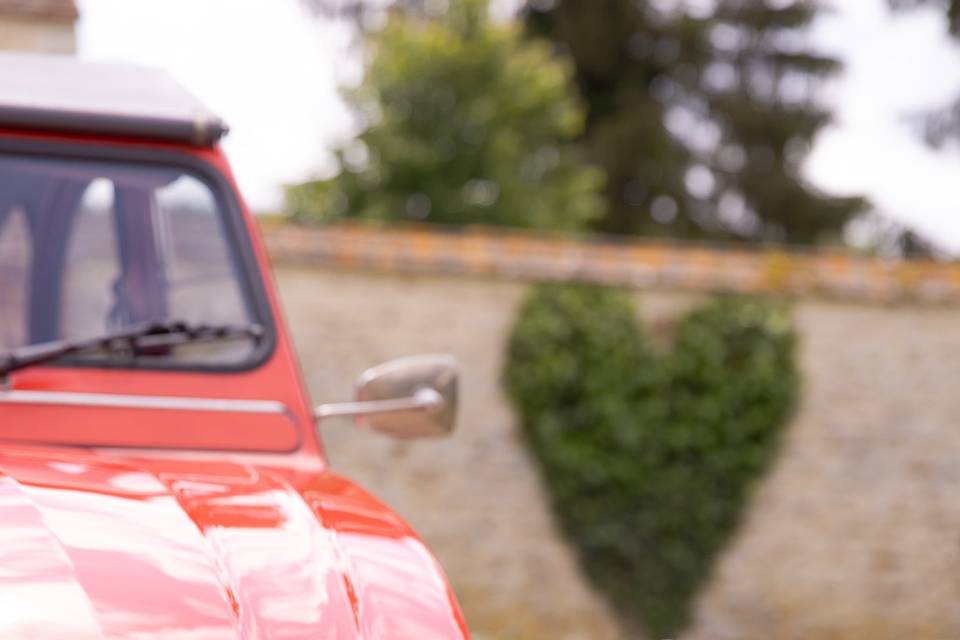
272,72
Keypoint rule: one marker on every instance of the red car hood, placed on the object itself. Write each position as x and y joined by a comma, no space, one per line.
93,547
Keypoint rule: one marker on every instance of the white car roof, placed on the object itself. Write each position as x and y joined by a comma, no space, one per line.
61,93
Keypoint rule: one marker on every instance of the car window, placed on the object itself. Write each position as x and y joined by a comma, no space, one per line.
88,248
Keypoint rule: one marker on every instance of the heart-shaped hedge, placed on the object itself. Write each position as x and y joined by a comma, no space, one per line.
649,459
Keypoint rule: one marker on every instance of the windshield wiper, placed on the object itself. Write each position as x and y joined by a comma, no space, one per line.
135,340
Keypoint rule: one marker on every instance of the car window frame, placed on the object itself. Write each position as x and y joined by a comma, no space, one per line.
236,235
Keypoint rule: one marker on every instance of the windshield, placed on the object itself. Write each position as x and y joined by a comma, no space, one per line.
88,248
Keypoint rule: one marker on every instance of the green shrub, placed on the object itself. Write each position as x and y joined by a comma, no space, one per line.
465,121
649,459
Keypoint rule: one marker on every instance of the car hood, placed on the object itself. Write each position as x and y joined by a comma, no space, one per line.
96,547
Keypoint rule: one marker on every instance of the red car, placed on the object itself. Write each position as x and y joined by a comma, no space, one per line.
161,475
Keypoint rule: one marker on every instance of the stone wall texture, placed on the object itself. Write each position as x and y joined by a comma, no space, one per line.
853,535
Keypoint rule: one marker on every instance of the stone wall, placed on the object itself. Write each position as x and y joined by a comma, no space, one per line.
831,272
854,535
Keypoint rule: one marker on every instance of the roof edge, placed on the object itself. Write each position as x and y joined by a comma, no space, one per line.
204,131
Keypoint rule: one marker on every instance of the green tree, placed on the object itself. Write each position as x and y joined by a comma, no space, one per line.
760,88
624,62
701,115
464,122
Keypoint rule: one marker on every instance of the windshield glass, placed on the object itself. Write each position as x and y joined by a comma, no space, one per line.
88,248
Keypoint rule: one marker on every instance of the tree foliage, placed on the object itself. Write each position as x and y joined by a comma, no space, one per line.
701,117
464,122
650,459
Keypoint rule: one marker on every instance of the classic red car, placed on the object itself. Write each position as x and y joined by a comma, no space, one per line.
160,471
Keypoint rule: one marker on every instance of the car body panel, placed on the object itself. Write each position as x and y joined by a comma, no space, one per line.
277,379
95,546
146,426
222,526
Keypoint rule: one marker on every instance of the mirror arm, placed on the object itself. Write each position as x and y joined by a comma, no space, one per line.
425,399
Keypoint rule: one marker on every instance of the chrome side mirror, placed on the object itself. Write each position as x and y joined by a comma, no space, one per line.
414,397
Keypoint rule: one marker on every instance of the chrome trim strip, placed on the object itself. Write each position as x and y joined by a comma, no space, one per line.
117,401
425,399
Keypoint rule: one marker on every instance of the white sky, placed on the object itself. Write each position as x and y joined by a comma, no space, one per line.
272,72
265,66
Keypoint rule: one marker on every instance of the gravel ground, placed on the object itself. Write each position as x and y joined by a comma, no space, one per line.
855,533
